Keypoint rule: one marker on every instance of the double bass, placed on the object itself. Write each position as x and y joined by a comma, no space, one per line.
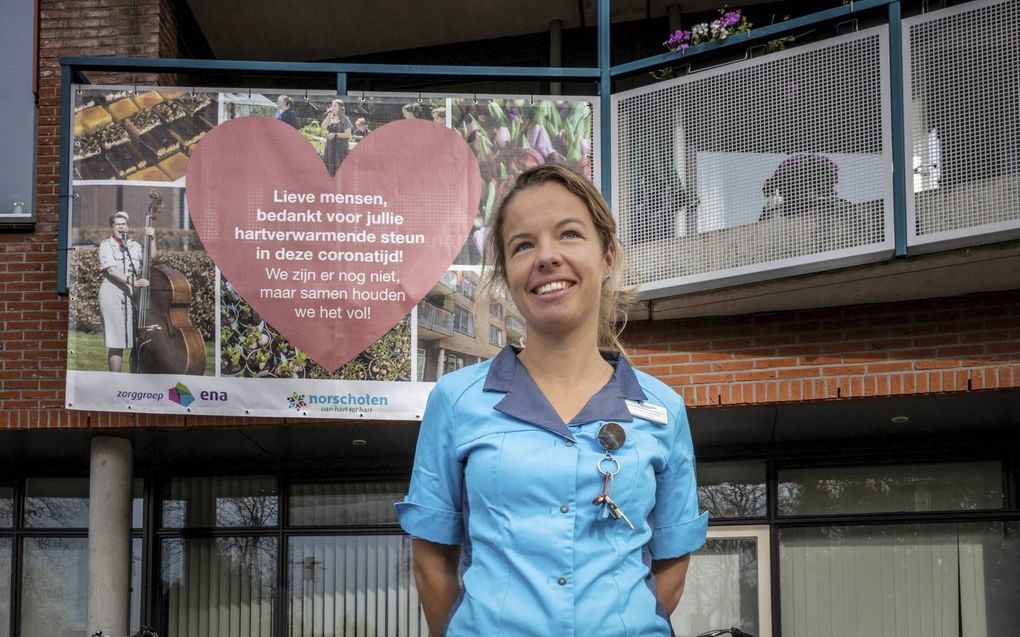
165,340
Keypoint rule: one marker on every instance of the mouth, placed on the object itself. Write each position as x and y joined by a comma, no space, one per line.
552,287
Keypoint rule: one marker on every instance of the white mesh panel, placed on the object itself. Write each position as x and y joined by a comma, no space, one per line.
778,162
963,89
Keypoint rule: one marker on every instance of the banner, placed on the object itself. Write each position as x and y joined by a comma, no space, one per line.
268,254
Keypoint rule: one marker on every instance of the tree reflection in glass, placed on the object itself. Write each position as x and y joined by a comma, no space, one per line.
891,488
5,586
56,503
6,507
54,586
226,583
732,489
208,502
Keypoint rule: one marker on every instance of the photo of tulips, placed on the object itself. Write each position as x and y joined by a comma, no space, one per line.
508,136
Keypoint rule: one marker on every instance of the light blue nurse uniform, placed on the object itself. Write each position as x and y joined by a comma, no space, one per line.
498,472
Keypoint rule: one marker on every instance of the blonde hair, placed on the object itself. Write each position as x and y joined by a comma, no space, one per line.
614,299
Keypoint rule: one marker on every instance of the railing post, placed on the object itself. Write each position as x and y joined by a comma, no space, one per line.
64,189
605,103
897,103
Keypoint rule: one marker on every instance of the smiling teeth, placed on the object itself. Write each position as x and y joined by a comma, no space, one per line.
555,286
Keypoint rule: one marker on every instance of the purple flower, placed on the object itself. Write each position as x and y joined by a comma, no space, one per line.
731,18
680,39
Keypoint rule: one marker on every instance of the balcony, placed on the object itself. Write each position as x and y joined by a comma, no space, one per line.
434,322
446,285
514,328
795,179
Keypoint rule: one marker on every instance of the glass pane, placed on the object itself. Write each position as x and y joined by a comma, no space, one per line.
721,589
54,583
245,501
6,507
57,503
352,585
935,579
345,504
137,500
218,587
135,619
5,586
732,489
891,489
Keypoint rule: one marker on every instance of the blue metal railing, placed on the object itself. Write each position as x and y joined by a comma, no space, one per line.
73,71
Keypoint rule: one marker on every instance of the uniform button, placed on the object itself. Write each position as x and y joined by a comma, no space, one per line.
562,581
570,443
564,509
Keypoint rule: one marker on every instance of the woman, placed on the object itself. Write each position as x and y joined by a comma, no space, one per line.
511,471
411,110
338,133
120,260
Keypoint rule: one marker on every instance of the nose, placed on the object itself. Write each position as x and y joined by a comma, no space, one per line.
547,256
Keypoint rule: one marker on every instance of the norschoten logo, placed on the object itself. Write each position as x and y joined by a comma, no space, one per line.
181,395
296,401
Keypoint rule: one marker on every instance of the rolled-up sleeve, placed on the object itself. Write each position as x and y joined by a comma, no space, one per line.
679,528
432,509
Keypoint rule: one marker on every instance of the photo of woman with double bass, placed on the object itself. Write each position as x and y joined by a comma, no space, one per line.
120,261
136,307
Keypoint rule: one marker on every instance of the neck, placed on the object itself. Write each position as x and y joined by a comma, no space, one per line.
565,359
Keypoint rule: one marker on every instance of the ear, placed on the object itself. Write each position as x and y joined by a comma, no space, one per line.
610,261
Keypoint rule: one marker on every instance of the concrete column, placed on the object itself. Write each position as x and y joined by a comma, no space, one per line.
675,14
555,52
109,536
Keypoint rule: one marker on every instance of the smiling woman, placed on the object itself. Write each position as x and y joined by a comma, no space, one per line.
541,432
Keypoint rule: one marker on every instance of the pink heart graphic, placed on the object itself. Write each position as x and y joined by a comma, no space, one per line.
261,199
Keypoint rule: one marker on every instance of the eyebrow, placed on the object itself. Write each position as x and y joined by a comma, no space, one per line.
559,224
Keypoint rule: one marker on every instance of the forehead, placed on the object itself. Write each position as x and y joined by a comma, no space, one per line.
545,205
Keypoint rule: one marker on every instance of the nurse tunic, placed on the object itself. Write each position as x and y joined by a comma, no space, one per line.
114,296
497,471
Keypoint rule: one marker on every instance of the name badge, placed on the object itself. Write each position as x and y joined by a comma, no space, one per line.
652,413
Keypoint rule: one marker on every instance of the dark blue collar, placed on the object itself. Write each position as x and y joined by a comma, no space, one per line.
525,401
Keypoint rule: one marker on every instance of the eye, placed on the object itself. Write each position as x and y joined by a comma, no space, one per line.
571,234
523,245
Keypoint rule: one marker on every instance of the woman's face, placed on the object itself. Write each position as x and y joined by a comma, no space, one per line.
119,225
555,261
408,114
338,110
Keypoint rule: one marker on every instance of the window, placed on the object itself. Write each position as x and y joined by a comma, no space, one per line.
732,489
453,362
344,503
222,582
6,507
883,581
463,320
333,581
53,578
57,503
496,309
6,545
376,598
244,502
893,488
495,336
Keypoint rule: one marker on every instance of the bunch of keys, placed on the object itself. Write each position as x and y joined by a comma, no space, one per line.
611,437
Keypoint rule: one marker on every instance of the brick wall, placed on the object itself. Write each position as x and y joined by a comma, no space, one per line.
931,346
880,350
33,318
